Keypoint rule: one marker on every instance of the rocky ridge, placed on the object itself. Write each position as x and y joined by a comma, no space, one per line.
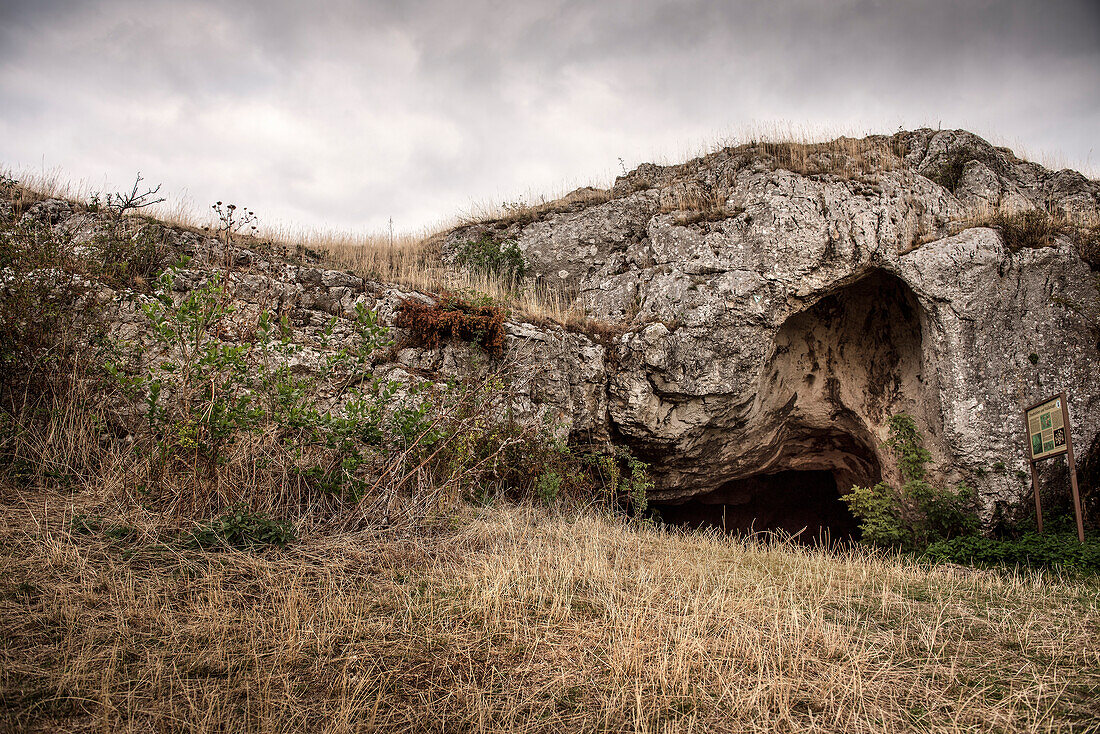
776,305
785,300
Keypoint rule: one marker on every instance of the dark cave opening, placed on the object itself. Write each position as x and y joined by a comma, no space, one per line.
805,503
834,374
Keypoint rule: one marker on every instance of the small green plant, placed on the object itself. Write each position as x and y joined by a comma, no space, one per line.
130,255
243,530
548,486
624,476
487,256
916,514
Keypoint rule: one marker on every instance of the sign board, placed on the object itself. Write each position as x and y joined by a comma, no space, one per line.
1046,428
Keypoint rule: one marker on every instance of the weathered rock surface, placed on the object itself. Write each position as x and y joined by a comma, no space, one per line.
782,328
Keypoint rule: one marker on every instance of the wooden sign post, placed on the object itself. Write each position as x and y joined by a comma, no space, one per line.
1047,426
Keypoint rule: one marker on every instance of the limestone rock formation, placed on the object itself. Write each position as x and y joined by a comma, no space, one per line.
784,301
775,305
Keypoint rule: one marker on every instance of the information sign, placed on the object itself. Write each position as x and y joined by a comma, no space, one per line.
1048,434
1047,429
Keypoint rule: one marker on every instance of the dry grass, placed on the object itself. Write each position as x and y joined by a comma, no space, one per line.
416,262
1037,228
410,259
34,186
843,157
514,620
692,204
843,152
531,209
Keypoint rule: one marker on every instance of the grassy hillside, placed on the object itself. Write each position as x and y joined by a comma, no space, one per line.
512,619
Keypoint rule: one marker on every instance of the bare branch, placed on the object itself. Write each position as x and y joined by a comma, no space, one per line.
120,203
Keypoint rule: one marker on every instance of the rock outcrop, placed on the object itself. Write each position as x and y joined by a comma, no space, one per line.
775,305
784,301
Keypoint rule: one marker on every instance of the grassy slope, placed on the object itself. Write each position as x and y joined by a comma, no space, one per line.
514,620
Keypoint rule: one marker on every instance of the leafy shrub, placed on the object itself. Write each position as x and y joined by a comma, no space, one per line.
452,317
34,301
487,256
624,476
1051,550
548,486
227,415
916,514
243,530
49,330
198,391
131,255
207,400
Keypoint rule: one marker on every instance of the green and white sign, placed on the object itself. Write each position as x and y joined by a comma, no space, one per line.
1047,429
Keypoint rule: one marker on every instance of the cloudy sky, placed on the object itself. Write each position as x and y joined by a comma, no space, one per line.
344,113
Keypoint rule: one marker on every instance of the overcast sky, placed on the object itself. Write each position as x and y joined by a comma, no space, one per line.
344,113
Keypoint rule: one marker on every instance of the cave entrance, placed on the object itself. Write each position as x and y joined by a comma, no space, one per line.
803,503
834,374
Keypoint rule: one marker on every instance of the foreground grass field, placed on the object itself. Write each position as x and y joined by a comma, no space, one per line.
510,619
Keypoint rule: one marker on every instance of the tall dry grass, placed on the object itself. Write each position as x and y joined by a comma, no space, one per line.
415,261
518,620
533,207
410,259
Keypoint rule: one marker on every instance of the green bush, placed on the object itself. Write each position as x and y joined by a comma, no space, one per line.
243,530
198,391
911,517
1050,550
207,400
548,486
130,254
38,301
623,477
487,256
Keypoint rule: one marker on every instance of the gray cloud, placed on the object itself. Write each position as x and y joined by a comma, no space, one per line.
345,113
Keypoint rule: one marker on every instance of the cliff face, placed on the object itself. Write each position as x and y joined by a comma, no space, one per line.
778,318
776,305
